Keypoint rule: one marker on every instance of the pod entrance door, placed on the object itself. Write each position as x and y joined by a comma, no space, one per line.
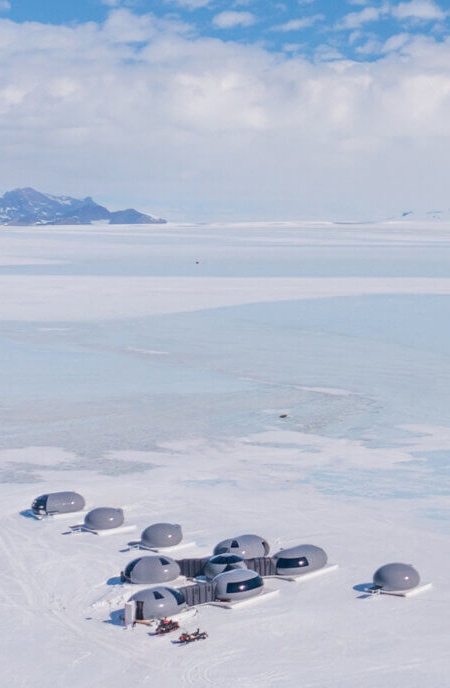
139,610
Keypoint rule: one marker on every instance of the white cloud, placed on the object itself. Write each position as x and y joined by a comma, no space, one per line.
396,42
326,53
298,24
190,4
418,9
120,3
354,20
372,45
135,109
5,5
415,10
230,19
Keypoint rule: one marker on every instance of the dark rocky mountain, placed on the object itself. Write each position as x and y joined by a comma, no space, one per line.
30,207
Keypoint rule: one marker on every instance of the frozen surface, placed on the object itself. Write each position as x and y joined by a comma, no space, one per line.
288,380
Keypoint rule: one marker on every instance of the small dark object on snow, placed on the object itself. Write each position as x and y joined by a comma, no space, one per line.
191,637
166,626
284,415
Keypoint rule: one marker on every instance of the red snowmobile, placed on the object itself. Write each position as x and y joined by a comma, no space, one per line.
191,637
166,626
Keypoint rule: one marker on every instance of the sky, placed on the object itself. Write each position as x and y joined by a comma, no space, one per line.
203,110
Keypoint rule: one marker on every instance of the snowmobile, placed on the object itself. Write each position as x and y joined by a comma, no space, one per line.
166,626
191,637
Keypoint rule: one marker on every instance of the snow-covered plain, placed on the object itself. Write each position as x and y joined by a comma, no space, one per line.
149,368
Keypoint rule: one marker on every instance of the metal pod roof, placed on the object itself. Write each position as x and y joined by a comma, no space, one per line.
104,518
300,559
237,584
396,577
58,503
247,546
162,535
158,602
151,570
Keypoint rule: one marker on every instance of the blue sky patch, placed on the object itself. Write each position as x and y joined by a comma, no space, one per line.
318,29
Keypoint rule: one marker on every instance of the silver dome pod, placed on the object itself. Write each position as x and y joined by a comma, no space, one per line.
151,570
299,560
57,503
104,518
396,577
239,584
223,562
161,535
246,546
157,603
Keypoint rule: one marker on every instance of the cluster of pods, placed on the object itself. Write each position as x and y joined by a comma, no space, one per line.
235,571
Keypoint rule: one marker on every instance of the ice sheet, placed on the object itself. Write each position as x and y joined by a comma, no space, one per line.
289,381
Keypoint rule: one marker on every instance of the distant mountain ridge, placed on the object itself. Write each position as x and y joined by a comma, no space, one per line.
30,207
